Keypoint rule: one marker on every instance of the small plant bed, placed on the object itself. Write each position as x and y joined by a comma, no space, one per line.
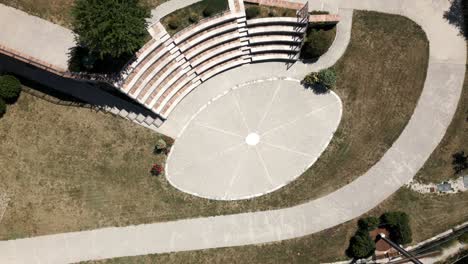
192,14
319,39
259,11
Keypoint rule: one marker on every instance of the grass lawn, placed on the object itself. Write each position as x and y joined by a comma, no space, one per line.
56,11
64,168
69,169
270,11
192,14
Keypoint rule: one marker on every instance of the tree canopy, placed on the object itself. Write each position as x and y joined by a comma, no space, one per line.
368,223
399,227
361,245
10,88
110,27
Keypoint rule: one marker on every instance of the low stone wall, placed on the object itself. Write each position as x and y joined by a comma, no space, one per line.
33,61
277,3
324,18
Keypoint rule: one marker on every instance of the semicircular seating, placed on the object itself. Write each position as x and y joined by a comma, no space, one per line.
168,68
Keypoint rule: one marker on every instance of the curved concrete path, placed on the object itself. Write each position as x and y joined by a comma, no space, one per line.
424,131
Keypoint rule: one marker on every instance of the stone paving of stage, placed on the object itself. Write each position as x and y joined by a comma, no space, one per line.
253,140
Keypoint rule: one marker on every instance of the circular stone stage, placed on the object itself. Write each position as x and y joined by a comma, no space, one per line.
252,140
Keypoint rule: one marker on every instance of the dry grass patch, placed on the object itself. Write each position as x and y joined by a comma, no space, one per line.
56,11
69,169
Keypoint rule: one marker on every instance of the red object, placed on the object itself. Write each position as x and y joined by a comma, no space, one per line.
157,170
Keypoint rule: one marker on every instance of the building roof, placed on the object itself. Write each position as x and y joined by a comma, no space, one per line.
444,187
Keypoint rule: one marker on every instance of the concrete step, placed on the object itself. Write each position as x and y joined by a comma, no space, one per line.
140,118
123,113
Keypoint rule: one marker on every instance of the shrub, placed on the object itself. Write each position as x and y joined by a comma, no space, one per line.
398,225
160,147
157,170
289,13
194,17
174,23
368,224
252,12
327,77
320,82
317,41
209,11
310,80
361,245
110,27
2,107
272,13
459,162
10,88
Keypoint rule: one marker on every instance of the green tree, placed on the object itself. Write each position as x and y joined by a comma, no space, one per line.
398,225
10,88
361,245
318,40
110,27
2,107
368,223
460,162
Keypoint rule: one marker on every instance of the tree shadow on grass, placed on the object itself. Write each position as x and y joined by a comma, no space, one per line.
456,15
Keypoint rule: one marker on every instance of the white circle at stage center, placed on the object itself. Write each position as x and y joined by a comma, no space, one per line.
252,140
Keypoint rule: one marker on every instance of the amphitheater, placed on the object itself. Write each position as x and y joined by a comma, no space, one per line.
168,67
196,77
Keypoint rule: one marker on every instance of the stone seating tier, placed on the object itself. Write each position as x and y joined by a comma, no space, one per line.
170,68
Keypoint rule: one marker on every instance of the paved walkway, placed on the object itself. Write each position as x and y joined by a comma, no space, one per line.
35,37
253,140
424,131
